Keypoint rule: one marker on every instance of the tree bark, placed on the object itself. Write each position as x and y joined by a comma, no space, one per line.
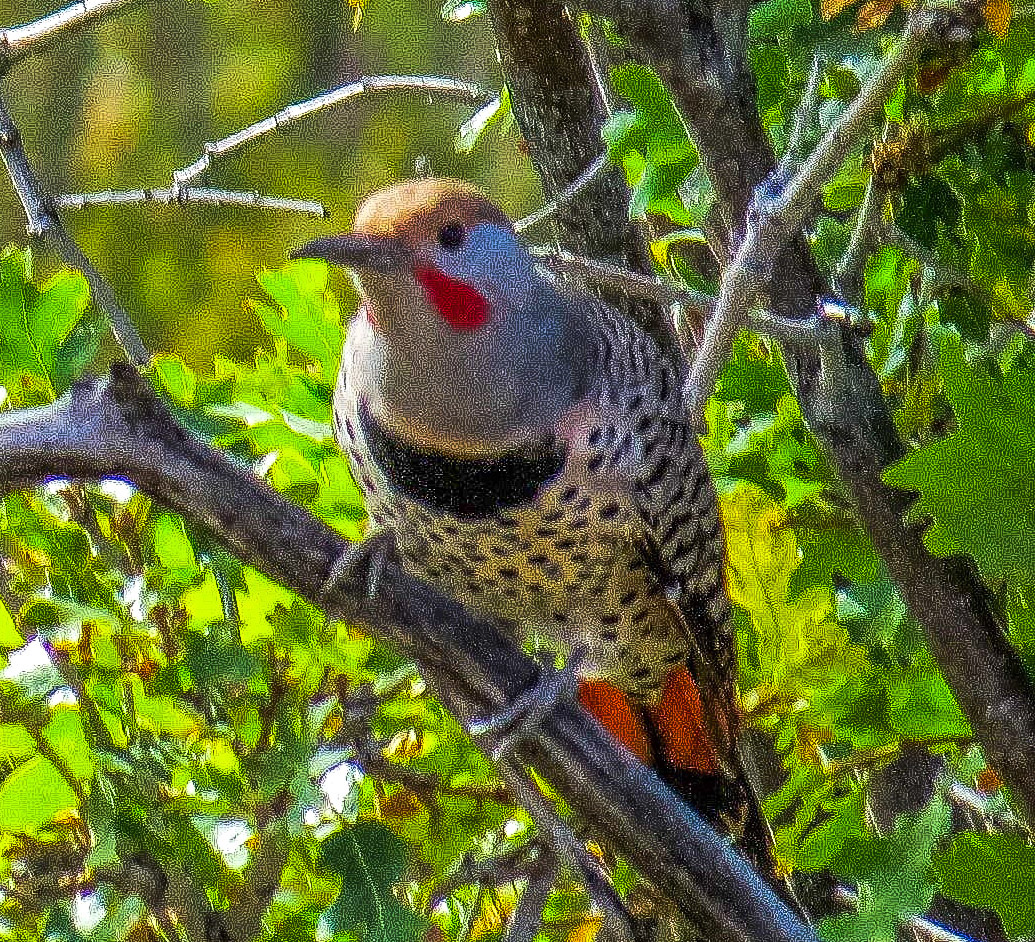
700,52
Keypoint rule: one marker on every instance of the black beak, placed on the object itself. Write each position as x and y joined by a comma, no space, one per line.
366,253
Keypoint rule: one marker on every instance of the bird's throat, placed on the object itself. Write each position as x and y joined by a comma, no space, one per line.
460,305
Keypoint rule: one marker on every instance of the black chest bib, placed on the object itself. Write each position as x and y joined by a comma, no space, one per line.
462,487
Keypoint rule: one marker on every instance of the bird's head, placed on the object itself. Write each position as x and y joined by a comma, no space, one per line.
465,343
432,247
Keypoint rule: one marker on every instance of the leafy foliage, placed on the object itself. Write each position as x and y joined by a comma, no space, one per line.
974,483
180,733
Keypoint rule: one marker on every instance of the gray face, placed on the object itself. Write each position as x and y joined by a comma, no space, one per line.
480,390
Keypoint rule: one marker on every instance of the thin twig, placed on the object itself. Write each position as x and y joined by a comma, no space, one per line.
18,41
560,837
427,84
204,195
1001,819
508,866
773,220
868,227
806,116
623,279
548,210
667,292
528,914
44,222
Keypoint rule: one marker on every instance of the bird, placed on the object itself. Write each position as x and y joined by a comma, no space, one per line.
528,447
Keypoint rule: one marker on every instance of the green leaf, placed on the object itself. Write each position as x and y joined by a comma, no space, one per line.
496,112
922,706
176,378
370,860
31,796
65,734
35,323
895,876
9,635
308,318
772,18
976,484
651,141
992,871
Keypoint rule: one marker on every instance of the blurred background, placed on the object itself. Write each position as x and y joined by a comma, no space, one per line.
122,105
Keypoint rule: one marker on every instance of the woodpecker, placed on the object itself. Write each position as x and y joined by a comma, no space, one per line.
528,447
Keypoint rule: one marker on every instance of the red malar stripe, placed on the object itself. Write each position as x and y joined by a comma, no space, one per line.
460,305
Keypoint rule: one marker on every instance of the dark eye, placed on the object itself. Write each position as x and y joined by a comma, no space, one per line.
451,236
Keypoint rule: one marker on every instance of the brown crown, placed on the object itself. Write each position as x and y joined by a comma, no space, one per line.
417,210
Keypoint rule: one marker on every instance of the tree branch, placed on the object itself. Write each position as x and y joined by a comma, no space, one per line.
17,42
118,427
426,84
549,210
44,222
203,195
777,218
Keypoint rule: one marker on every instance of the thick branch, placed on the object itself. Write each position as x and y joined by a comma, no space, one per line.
117,427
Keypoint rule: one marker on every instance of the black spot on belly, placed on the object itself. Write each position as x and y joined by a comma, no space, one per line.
462,487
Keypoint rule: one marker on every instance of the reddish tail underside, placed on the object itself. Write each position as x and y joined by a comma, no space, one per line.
677,719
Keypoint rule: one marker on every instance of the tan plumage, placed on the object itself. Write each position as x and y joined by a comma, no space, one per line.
539,467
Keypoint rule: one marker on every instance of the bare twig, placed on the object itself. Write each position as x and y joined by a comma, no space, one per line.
668,292
117,426
508,866
549,210
775,219
806,116
202,195
868,227
19,41
528,914
564,843
43,222
1001,819
625,280
426,84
